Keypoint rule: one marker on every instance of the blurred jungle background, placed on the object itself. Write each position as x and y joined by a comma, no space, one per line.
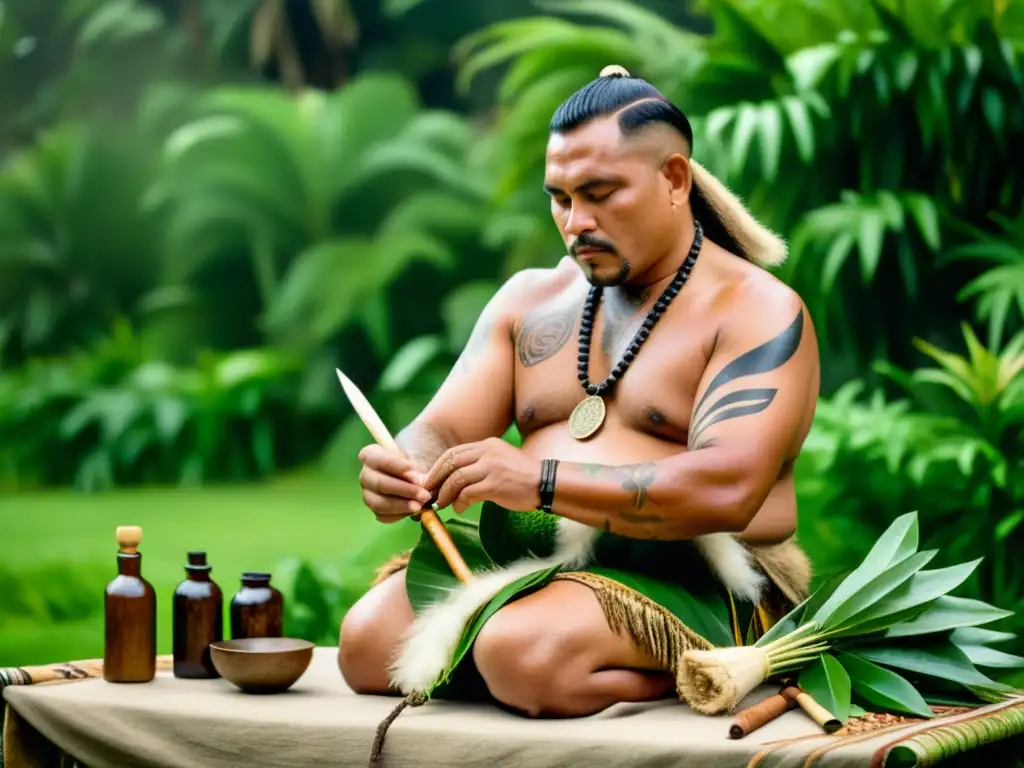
208,205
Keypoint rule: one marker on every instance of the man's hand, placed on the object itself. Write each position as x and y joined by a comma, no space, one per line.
392,487
490,470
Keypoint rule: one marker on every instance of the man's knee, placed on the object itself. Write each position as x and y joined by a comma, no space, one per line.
369,633
526,667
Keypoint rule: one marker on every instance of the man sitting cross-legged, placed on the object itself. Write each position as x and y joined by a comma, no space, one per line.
698,375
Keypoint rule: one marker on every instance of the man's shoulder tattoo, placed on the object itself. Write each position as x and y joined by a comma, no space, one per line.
771,355
544,332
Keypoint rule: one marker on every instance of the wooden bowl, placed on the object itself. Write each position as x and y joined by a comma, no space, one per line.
262,664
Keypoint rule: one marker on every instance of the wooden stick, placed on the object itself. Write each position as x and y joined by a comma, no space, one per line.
753,717
428,516
829,722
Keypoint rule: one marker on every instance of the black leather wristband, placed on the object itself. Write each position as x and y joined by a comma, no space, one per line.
548,468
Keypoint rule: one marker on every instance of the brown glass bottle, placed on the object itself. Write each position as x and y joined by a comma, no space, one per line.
129,606
257,608
198,620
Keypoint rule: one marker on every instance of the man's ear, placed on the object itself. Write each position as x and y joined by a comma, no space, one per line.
680,179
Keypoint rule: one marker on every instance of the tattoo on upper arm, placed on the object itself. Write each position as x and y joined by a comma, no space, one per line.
544,334
744,402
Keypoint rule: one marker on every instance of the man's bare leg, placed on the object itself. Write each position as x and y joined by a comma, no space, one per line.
370,633
552,654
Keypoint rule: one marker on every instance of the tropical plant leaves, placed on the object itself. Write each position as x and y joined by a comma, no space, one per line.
883,688
895,545
829,684
878,588
911,596
941,660
948,612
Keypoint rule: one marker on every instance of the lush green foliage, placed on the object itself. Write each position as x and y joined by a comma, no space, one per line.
187,251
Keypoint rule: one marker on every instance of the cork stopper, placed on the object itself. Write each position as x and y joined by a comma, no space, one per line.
197,562
128,538
197,558
614,70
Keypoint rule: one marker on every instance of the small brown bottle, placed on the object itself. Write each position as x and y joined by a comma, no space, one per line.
129,605
257,608
198,620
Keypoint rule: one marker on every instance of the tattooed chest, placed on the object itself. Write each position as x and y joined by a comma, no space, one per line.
655,395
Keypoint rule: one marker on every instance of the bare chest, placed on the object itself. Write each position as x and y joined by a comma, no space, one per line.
653,396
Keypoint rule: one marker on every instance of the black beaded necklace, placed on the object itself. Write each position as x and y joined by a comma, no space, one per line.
588,416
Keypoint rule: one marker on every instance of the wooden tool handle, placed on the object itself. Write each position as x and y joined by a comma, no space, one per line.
428,517
435,528
750,719
828,722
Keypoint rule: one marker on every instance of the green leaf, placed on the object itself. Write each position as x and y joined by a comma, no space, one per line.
429,577
979,636
800,122
876,589
523,584
408,361
949,612
896,544
883,688
770,130
940,659
808,607
827,682
922,588
922,209
870,234
983,656
1009,524
462,307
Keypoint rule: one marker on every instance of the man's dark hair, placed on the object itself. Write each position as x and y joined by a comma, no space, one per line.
611,93
640,104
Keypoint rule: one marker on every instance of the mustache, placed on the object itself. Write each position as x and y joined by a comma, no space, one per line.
587,241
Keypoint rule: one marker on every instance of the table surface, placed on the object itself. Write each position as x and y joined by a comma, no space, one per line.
320,722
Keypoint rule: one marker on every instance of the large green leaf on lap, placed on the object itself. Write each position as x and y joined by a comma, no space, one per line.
518,587
429,577
705,614
894,546
883,688
828,682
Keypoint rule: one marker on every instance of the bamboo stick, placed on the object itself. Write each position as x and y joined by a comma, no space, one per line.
428,516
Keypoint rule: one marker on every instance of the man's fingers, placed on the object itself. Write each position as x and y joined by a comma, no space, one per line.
457,481
388,509
386,485
388,462
449,461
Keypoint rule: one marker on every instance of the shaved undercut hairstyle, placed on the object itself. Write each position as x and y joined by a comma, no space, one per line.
639,104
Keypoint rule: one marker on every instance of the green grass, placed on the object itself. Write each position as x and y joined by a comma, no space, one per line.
59,551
